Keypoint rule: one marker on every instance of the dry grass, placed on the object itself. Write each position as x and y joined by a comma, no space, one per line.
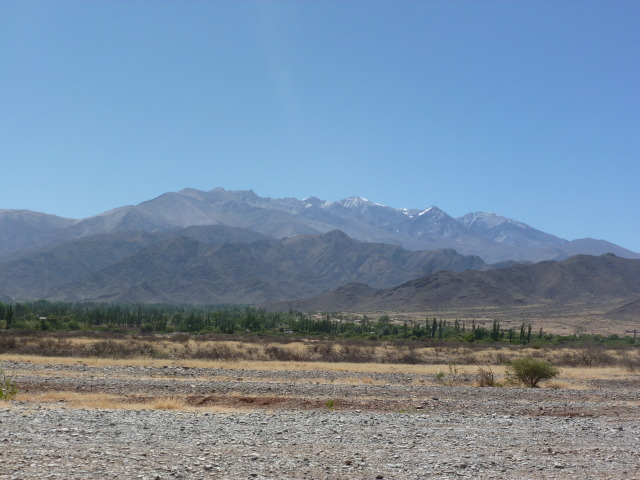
99,400
570,373
105,401
168,403
572,378
266,360
462,374
293,354
276,366
595,373
557,385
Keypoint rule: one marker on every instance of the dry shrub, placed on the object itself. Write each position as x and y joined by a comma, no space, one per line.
324,350
215,351
54,347
7,344
252,353
120,349
283,354
631,362
486,377
468,358
180,337
409,356
293,348
456,377
588,355
355,354
538,354
107,348
502,358
62,347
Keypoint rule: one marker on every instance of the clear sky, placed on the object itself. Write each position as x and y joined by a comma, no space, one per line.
530,109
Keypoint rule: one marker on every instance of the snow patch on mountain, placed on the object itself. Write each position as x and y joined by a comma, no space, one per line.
488,220
356,202
433,212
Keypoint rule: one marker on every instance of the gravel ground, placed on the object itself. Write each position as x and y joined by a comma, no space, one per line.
391,426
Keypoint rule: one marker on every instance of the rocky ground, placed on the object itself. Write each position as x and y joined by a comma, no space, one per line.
314,425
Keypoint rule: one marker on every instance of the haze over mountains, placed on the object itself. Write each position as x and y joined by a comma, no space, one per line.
237,247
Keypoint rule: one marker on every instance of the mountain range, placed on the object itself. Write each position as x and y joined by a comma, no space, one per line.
214,264
237,247
491,237
578,281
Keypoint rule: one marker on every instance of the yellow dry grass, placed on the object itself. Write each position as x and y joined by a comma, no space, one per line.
78,400
105,401
570,373
253,353
557,385
263,365
168,403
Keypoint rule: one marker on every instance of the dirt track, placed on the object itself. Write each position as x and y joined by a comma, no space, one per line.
279,425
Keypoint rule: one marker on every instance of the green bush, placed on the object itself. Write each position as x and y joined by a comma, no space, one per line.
8,387
146,328
530,371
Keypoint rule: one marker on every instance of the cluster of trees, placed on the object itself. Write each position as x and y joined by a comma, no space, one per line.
230,319
6,314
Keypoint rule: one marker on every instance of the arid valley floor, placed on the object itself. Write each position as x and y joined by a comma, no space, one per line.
164,419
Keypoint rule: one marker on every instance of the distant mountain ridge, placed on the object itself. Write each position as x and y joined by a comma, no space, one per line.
21,229
34,274
214,264
489,236
580,280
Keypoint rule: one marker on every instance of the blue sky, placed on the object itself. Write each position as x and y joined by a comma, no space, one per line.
529,109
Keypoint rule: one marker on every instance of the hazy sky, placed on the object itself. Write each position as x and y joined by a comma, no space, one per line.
530,109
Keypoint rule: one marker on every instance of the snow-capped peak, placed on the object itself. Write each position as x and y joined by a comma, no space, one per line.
355,202
432,211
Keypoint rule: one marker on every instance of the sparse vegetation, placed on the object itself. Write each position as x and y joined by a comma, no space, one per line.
456,376
485,377
289,349
8,387
168,403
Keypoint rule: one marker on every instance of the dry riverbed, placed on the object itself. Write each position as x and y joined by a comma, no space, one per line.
77,419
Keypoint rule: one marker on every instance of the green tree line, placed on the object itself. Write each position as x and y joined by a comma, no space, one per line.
238,319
